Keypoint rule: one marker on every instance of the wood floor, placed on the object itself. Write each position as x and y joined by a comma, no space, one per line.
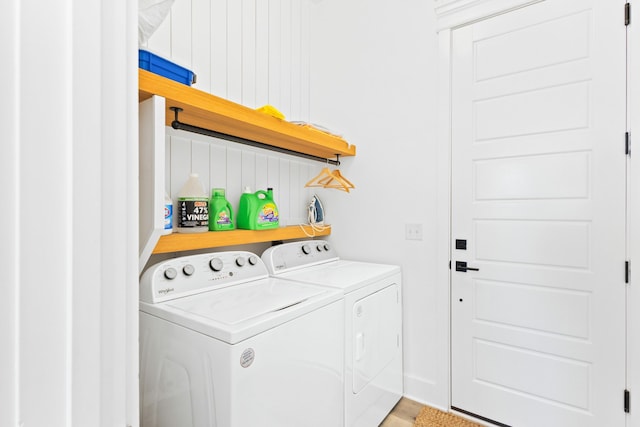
403,415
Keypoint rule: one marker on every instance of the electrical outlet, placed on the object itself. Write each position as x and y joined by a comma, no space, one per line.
413,231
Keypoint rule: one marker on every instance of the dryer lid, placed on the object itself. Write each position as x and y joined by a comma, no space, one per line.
342,274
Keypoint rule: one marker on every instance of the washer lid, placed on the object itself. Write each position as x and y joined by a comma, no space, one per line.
239,312
238,304
342,274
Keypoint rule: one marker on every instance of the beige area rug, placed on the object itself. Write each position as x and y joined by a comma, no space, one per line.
431,417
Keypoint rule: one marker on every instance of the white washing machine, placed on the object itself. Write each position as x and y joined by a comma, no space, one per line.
222,344
373,322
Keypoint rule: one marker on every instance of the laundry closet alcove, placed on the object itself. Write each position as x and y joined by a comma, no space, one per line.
161,101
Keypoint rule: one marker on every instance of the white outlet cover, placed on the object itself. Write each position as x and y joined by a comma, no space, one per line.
413,231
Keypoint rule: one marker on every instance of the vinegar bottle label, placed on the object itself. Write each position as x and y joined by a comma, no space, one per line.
193,213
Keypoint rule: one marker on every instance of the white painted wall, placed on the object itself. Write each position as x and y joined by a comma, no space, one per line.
68,314
9,235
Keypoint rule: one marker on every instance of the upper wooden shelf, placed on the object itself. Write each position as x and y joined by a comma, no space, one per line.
211,112
177,242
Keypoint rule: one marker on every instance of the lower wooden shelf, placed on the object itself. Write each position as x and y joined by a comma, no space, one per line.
178,242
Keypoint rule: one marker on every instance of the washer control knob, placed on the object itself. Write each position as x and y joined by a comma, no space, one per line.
215,264
170,273
188,270
240,261
306,249
253,260
319,248
326,247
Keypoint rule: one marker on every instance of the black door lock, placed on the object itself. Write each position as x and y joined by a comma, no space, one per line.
462,266
461,244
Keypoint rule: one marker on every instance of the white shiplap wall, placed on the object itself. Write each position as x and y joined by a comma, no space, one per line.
228,165
252,52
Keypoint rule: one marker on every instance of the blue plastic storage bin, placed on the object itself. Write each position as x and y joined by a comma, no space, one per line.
158,65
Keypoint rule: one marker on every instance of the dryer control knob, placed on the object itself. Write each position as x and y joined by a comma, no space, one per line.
326,247
188,270
253,260
306,249
319,248
170,273
215,264
240,261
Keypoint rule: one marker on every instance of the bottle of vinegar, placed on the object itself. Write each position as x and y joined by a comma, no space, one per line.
193,207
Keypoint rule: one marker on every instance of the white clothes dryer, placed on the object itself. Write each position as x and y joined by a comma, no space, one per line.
222,344
373,322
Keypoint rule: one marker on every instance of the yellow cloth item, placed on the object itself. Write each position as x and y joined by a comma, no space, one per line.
271,110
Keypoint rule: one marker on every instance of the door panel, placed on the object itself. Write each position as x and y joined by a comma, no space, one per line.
538,192
555,109
526,302
548,176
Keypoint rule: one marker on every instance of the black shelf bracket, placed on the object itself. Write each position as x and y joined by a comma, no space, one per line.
177,124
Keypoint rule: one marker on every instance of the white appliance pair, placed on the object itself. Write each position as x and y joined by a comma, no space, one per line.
223,344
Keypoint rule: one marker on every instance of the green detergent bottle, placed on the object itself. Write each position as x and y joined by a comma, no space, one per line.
257,211
242,217
220,211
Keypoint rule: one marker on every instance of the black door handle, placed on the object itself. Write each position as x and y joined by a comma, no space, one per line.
462,266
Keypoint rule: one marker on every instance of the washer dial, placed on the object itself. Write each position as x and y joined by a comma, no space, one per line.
215,264
188,270
170,273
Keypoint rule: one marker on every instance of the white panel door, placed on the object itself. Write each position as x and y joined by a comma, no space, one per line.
538,194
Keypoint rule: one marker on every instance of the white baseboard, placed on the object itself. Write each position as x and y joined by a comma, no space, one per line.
427,392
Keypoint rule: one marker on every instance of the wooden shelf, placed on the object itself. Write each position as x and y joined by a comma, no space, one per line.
178,242
211,112
208,111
